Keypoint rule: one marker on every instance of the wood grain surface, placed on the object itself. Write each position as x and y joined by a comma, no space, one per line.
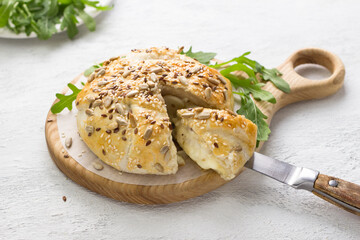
344,191
301,89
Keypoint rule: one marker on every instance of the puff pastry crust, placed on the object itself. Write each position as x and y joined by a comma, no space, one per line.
216,139
122,113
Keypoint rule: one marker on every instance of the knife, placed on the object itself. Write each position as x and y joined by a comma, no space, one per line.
343,194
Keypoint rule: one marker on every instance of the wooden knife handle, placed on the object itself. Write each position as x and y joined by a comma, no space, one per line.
343,194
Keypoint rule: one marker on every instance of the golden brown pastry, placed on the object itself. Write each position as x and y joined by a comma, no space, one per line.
122,114
216,139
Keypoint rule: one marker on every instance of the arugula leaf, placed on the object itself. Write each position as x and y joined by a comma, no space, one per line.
42,16
253,113
202,57
5,10
91,69
69,22
273,75
65,101
88,20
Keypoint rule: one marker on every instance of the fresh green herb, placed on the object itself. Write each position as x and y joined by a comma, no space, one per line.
91,69
202,57
65,101
248,86
42,16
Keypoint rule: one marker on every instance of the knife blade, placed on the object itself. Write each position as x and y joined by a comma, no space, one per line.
297,177
334,190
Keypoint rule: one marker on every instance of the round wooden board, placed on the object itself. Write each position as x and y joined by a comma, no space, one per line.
187,187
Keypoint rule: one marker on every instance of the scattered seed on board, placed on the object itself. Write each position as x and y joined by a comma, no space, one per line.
164,149
148,132
126,73
213,81
121,121
153,77
68,142
132,93
159,167
101,72
208,93
195,69
98,166
187,114
156,70
183,80
119,108
107,101
91,77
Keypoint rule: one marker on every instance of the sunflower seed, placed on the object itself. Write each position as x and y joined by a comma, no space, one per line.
132,93
101,72
183,80
167,156
132,120
97,103
159,167
164,149
126,73
91,77
107,101
89,112
222,79
90,99
143,86
120,121
187,114
238,149
156,70
153,77
203,115
151,84
148,133
119,108
225,95
195,69
214,81
113,58
98,166
113,125
102,83
68,142
89,129
231,112
208,93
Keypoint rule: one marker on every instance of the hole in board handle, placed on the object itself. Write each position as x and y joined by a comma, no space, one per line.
313,71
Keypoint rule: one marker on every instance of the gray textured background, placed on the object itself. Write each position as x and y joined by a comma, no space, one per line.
322,134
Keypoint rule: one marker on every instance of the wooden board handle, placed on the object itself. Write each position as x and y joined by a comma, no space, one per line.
304,88
343,194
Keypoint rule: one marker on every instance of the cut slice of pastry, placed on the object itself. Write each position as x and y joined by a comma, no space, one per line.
216,139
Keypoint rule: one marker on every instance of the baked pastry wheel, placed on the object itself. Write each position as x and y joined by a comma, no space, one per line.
127,108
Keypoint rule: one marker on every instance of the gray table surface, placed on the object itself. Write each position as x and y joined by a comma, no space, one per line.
322,134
